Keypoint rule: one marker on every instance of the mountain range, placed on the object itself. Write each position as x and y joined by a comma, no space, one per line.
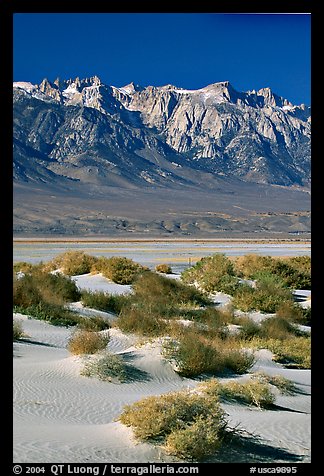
90,158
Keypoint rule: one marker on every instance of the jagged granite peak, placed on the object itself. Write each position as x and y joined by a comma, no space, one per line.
127,131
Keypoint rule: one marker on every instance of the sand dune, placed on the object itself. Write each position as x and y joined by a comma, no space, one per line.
63,417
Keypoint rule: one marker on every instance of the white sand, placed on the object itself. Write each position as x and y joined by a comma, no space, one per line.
62,417
97,282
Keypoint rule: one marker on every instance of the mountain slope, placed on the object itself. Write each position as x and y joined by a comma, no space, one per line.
215,148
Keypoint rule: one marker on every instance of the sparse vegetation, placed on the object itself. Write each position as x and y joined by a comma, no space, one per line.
87,342
157,303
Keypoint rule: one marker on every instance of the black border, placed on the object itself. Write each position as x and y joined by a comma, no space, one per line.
7,10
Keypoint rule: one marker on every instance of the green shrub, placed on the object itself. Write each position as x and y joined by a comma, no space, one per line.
214,318
25,292
43,295
248,327
17,330
23,267
87,342
104,301
163,268
212,273
245,298
106,367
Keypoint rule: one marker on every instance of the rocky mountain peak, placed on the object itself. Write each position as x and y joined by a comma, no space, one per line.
255,135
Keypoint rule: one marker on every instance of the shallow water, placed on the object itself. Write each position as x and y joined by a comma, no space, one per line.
179,255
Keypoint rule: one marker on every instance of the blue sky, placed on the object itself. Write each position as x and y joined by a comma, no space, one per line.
189,50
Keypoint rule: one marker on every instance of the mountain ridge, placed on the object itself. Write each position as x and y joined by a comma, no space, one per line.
84,137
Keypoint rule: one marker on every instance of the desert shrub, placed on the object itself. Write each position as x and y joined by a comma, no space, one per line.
198,440
292,352
37,287
193,354
305,318
106,367
142,321
120,270
87,342
248,327
294,312
17,330
238,361
163,293
213,318
158,416
293,276
212,273
245,298
25,292
250,264
24,267
301,263
56,287
53,313
42,295
251,392
93,323
284,385
277,328
163,268
267,296
71,263
104,301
